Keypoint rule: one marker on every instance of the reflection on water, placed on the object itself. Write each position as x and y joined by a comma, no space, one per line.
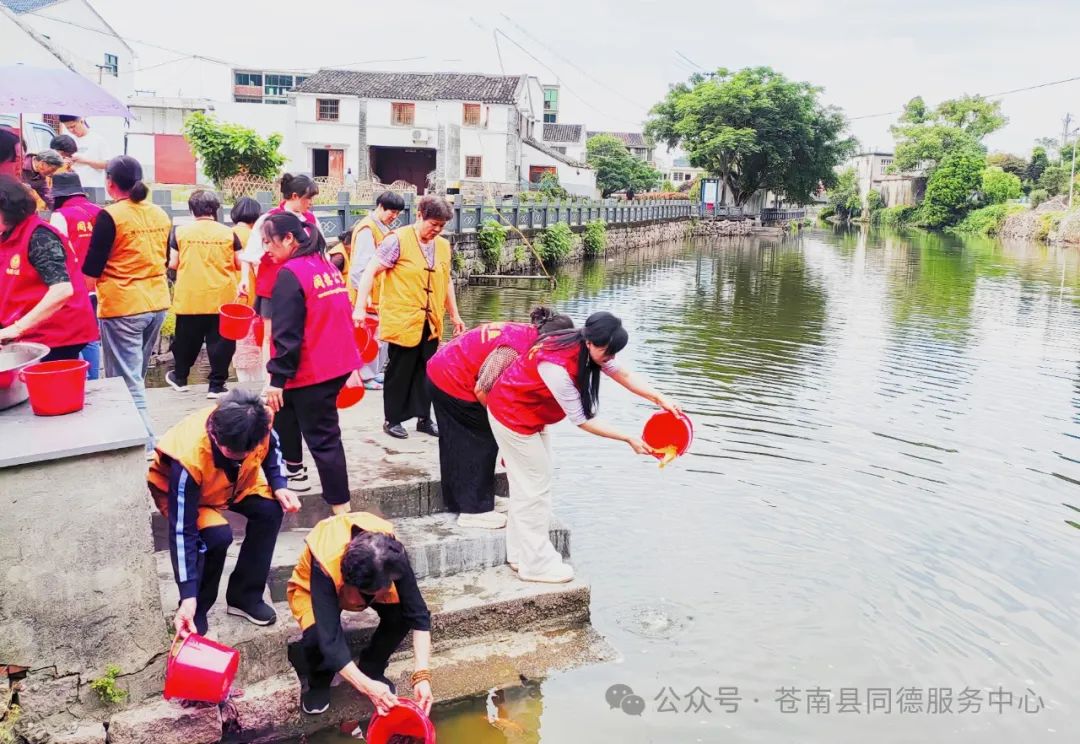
882,494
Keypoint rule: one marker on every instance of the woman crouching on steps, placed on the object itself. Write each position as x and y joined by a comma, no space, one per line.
559,377
311,313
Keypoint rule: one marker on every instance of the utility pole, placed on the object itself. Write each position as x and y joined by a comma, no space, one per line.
1064,136
1072,171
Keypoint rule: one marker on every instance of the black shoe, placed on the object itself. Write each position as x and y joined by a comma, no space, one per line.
260,613
298,478
179,386
315,700
427,426
216,391
397,431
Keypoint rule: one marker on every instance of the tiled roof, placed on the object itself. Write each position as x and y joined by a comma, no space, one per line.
537,145
630,139
27,6
414,86
562,132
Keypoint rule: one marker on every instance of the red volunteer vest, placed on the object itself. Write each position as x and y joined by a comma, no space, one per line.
327,350
80,214
455,367
21,289
267,274
521,401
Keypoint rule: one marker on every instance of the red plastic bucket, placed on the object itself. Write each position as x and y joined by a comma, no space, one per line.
370,350
58,387
361,336
372,324
260,331
200,669
350,396
666,429
234,320
406,719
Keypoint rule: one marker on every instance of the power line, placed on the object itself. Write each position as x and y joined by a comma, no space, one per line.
692,62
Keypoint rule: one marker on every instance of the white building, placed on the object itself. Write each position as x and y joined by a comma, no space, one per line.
71,34
636,142
567,139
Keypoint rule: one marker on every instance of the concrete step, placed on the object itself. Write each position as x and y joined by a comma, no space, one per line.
418,497
437,547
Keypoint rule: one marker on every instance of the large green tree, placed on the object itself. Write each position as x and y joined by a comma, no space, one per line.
228,150
998,186
616,169
952,186
755,129
844,196
1040,161
925,136
1008,162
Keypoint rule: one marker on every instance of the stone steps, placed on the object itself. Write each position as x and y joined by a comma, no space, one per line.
437,547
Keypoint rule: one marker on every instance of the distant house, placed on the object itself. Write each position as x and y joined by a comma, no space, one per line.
681,172
568,139
444,132
636,142
872,174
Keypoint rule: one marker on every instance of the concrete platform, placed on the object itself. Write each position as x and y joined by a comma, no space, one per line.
437,547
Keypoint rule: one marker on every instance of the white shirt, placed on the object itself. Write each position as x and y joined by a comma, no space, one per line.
363,251
564,390
93,147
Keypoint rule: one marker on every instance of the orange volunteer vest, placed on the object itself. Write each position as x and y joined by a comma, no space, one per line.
379,233
134,281
206,277
413,292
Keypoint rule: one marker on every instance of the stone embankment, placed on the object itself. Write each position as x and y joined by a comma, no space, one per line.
1052,221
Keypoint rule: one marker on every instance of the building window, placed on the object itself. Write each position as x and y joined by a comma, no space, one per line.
550,118
473,166
248,78
326,109
277,86
470,114
112,65
551,99
402,114
560,150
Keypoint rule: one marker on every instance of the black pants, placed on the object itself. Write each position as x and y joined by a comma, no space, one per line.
63,352
405,393
192,331
312,412
248,579
307,658
467,453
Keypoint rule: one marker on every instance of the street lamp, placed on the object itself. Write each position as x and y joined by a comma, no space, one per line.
1072,170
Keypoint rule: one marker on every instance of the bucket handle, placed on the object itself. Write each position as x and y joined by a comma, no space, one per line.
174,651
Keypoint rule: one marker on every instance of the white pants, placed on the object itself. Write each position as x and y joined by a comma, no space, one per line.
528,526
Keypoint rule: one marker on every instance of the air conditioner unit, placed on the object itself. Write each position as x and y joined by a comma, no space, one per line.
420,135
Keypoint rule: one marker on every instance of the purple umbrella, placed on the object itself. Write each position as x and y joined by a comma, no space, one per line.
40,90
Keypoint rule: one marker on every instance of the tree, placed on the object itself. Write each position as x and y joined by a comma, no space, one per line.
228,150
950,188
998,186
1039,162
1008,162
755,129
667,187
1054,180
616,169
550,187
844,195
926,136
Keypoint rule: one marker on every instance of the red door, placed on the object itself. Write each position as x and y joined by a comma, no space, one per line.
173,160
536,172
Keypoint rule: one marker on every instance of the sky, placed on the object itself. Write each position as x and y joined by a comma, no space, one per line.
615,59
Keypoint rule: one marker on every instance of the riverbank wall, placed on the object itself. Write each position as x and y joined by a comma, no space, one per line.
1052,222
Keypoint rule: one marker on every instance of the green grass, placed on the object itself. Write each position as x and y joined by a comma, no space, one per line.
986,221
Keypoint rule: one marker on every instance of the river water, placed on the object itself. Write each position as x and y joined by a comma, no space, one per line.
876,518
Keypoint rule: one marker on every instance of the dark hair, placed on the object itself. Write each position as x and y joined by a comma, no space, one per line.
66,118
16,201
345,238
204,203
286,223
240,421
126,173
301,185
64,143
390,200
552,322
373,560
601,329
432,207
9,145
246,211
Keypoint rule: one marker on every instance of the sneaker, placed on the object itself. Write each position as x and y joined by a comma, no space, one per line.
559,574
502,504
216,392
260,614
372,385
298,478
175,384
427,426
483,521
381,379
315,700
397,431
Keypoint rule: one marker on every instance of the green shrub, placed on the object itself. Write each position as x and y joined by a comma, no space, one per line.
7,725
556,242
1038,196
519,254
595,238
895,217
459,262
106,687
491,237
998,186
1048,222
826,212
874,202
986,221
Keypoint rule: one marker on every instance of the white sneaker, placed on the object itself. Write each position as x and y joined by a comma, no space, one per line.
502,504
484,521
298,479
559,574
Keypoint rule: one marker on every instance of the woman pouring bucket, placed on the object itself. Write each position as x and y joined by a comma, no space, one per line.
559,377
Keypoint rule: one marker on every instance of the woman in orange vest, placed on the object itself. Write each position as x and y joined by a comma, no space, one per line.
223,458
205,256
248,360
311,363
414,262
42,299
350,562
559,377
126,265
368,235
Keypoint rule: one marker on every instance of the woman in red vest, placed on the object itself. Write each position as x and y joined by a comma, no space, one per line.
559,377
42,296
460,376
311,314
74,215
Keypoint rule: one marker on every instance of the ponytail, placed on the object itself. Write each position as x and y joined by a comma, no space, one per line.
547,321
301,185
138,192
